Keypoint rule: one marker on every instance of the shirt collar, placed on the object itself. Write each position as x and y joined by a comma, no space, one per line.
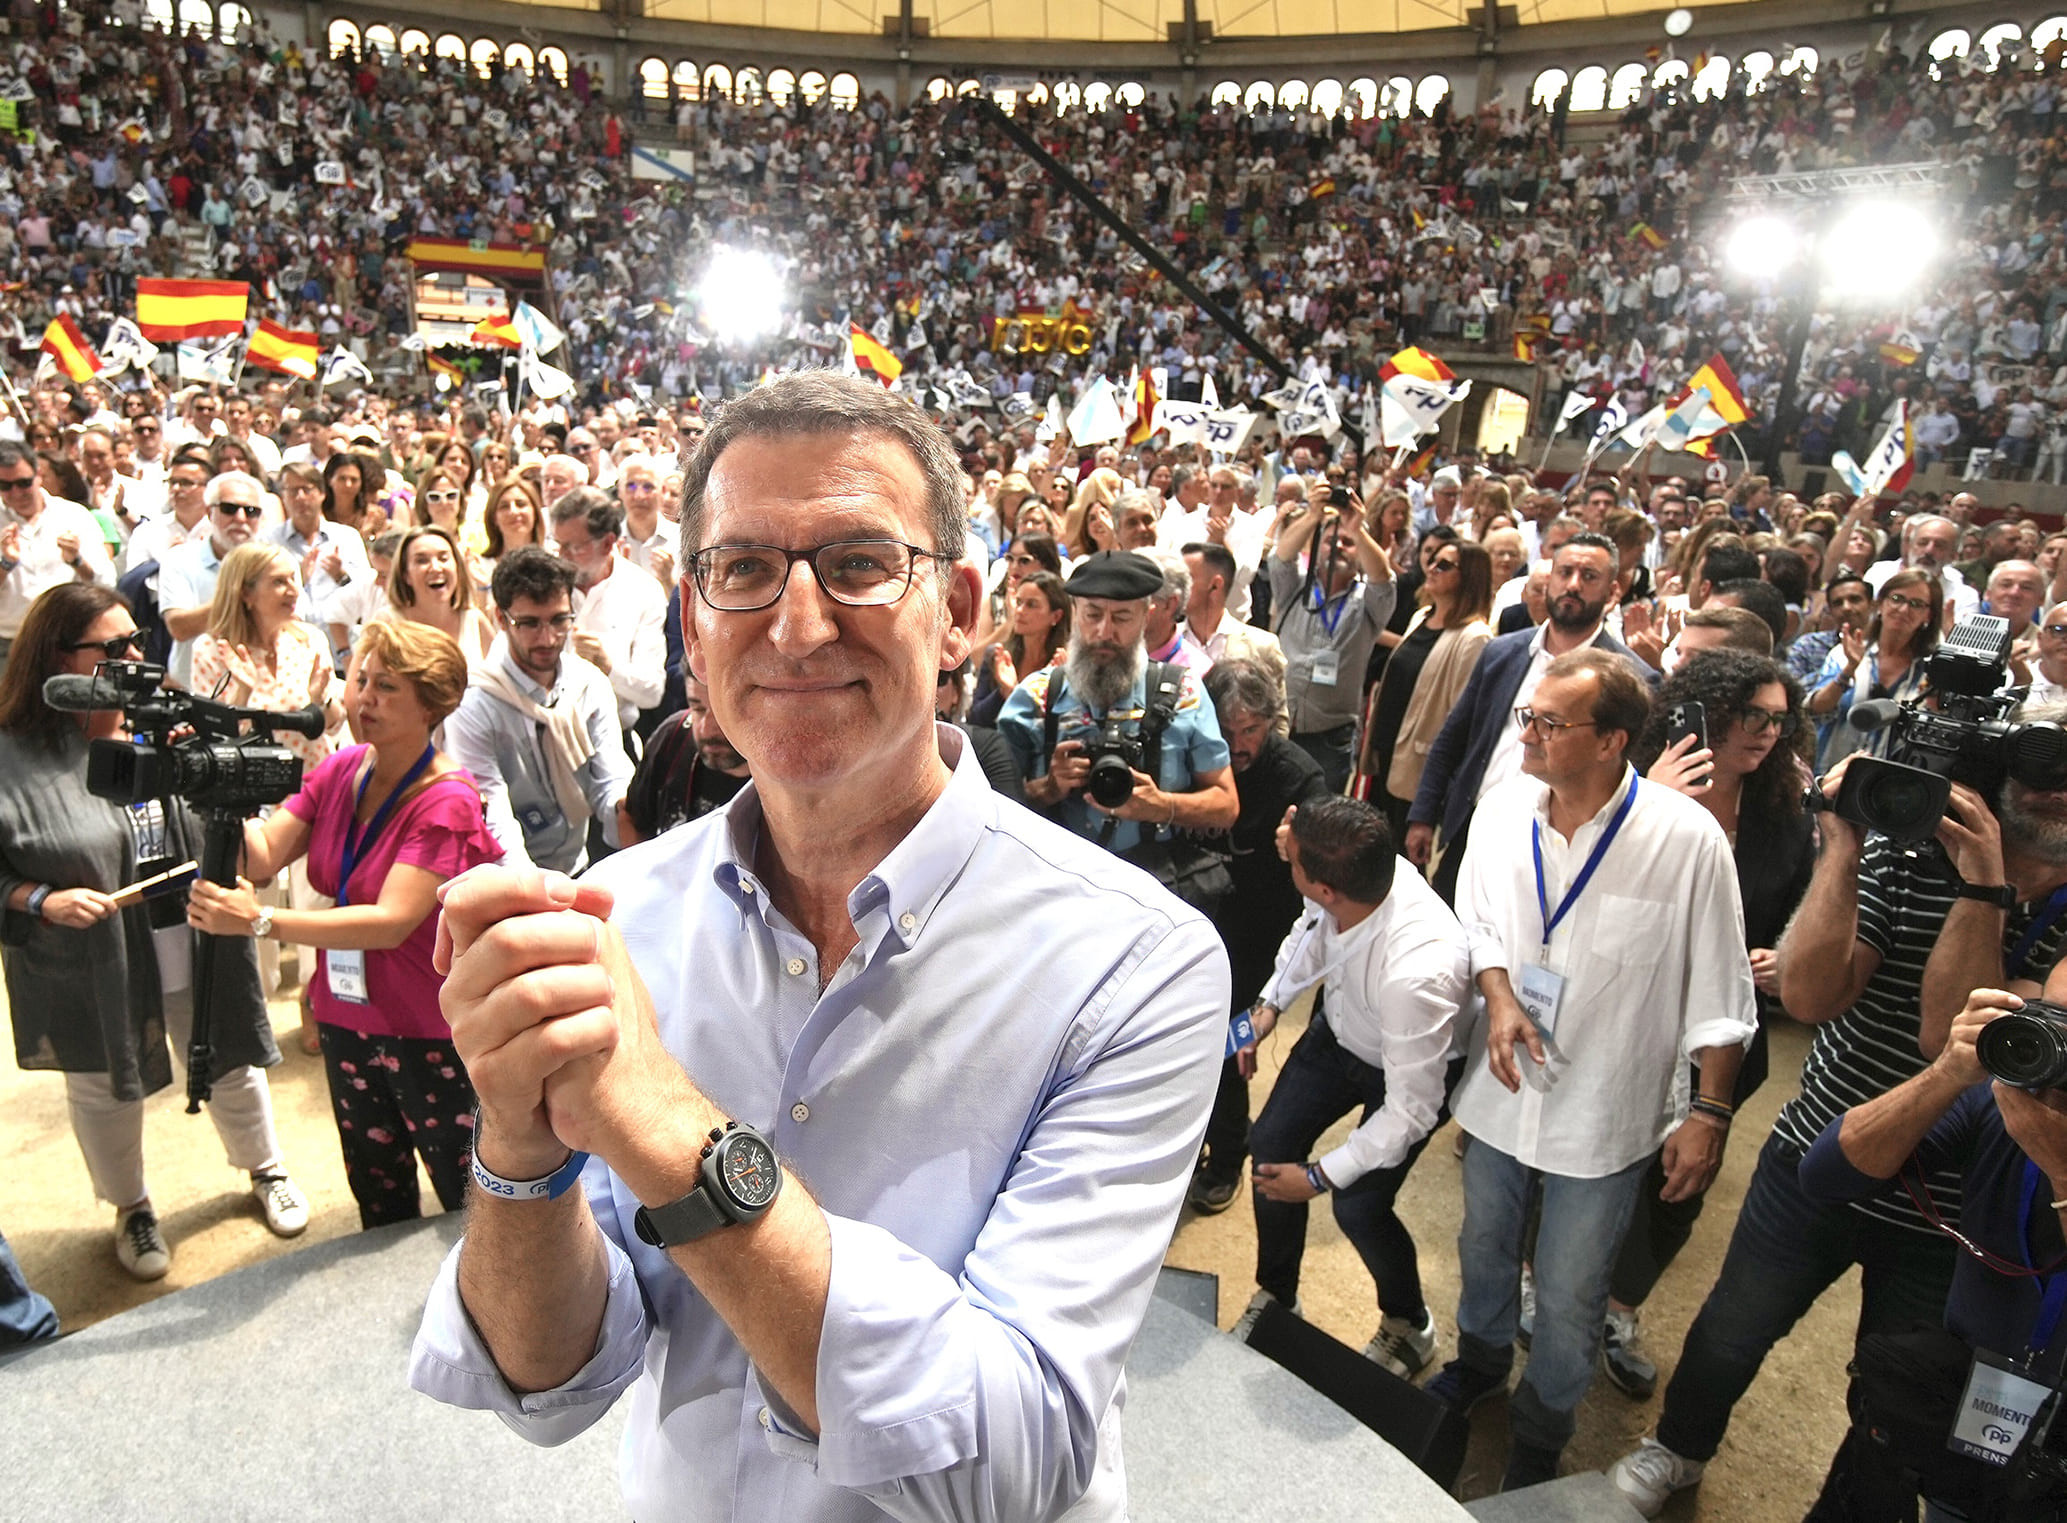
896,900
500,651
1601,816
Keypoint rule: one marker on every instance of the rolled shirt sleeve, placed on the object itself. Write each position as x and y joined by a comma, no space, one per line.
1721,1004
1418,1007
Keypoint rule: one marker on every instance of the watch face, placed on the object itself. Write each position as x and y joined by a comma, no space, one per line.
750,1171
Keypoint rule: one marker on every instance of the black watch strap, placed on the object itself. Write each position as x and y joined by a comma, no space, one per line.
2001,895
681,1221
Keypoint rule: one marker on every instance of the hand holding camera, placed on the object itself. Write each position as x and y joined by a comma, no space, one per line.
1972,837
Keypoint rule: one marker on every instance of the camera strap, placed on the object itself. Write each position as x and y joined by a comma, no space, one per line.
356,842
2043,921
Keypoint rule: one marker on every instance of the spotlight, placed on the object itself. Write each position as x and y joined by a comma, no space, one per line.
742,293
1878,248
1761,246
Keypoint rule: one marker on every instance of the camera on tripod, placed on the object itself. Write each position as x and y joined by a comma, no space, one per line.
1967,739
216,767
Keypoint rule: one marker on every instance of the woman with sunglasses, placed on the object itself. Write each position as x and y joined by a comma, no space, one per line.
1426,673
457,461
440,502
1750,776
1886,661
96,989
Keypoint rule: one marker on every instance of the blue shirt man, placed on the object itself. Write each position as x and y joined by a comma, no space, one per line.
1102,685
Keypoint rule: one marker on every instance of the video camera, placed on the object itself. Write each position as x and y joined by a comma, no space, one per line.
217,767
1967,739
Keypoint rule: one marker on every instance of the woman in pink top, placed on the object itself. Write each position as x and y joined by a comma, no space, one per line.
382,825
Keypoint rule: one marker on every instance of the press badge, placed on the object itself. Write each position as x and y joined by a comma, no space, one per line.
1327,667
347,972
1998,1405
1541,992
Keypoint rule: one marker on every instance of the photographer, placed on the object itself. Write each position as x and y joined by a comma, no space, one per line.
1072,727
2008,1148
1869,940
95,988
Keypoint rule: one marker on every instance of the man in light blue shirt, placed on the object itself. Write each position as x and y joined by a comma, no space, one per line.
981,1156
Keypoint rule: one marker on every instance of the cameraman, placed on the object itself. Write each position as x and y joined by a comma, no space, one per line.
2009,1150
1882,932
1102,688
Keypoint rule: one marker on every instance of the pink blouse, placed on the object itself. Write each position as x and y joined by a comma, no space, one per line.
439,830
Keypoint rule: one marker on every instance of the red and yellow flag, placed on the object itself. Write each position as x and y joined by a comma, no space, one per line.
65,344
1525,343
1323,187
169,311
444,367
1895,352
290,351
499,262
1145,399
1723,393
1416,362
871,356
1650,236
499,331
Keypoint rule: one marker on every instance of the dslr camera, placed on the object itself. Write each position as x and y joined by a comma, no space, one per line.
1966,738
1115,757
2028,1047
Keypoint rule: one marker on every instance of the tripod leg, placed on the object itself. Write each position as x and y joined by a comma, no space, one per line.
221,845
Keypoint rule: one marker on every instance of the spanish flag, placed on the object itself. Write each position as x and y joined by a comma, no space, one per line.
65,344
499,331
1723,393
1525,346
1419,221
1650,236
872,356
291,351
444,367
1325,186
1416,362
1143,428
171,311
1901,349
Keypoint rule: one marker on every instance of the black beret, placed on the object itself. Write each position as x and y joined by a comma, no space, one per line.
1120,575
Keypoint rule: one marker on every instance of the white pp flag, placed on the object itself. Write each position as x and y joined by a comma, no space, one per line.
341,365
126,348
1051,421
1612,418
1313,413
1096,419
1576,402
535,329
1209,394
215,363
544,380
1423,400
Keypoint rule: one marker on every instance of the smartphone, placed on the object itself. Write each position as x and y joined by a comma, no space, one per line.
1338,497
1687,718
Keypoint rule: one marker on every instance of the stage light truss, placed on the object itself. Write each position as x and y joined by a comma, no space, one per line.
1817,184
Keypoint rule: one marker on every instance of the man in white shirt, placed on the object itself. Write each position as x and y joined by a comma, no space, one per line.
560,475
620,612
1209,621
649,536
2049,671
186,575
1610,953
237,419
1928,544
185,490
1396,970
44,542
1225,517
332,555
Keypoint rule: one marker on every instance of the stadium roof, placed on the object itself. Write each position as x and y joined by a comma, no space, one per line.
1136,21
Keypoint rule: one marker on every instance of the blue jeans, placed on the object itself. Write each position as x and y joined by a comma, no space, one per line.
1785,1252
1582,1225
1334,749
1322,1082
25,1316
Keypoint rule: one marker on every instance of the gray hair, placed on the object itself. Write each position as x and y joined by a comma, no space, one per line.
216,485
1247,687
1180,477
1176,574
603,517
826,402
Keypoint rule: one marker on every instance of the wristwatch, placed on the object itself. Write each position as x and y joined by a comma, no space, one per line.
263,926
741,1178
2001,895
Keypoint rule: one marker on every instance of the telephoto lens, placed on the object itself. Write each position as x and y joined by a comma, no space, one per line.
2028,1047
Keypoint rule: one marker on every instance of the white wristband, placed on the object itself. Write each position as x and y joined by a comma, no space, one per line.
552,1187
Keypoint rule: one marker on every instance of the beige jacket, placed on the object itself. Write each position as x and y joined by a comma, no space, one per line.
1443,675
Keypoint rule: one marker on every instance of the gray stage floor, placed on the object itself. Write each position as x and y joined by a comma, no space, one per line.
277,1392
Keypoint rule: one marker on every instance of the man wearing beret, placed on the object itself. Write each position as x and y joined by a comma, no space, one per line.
1104,682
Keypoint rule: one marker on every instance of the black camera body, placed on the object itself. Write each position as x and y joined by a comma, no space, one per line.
1115,757
1968,738
216,767
2028,1047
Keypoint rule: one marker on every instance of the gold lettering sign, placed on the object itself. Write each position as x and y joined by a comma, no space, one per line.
1037,333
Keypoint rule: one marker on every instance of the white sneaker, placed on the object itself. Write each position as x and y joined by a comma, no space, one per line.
1246,1322
286,1208
140,1246
1402,1347
1649,1475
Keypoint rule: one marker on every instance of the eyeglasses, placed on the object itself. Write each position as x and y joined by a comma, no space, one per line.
245,509
112,649
1758,721
17,483
861,573
640,488
2057,631
1526,717
1914,605
1442,566
146,428
559,624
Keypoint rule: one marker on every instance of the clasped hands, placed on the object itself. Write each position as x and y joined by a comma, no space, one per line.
557,1031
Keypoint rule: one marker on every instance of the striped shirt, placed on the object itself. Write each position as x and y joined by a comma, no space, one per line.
1904,898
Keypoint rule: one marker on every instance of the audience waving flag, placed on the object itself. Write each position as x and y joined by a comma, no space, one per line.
67,348
871,356
290,351
170,311
496,332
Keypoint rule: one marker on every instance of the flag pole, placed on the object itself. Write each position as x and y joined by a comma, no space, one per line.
14,401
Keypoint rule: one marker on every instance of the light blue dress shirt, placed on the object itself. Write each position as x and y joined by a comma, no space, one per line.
997,1100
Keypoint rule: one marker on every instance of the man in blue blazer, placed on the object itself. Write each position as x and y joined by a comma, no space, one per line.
1479,745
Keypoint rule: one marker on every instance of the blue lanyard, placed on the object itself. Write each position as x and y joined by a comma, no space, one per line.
1600,849
2042,922
2055,1299
1321,605
356,842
